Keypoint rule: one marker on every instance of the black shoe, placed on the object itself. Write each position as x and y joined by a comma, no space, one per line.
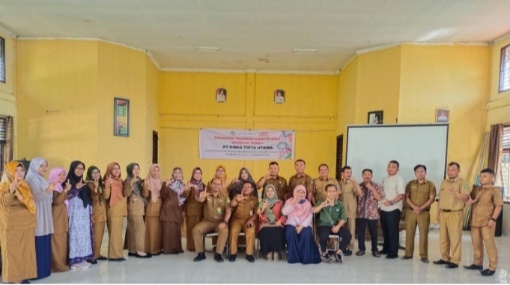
131,254
474,267
117,259
232,257
250,258
451,265
348,252
383,252
200,257
360,253
376,254
102,258
28,282
487,272
391,256
92,261
406,257
218,257
425,260
440,262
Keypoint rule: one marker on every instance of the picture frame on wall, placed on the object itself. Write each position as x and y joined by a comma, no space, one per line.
221,95
375,117
279,96
442,116
120,117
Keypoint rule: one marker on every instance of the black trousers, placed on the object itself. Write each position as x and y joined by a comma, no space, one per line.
325,231
389,224
361,225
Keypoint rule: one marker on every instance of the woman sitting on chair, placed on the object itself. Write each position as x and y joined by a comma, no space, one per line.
271,221
298,229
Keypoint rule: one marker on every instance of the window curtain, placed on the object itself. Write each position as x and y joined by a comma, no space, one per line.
495,136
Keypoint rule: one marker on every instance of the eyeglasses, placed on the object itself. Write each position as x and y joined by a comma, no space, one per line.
216,184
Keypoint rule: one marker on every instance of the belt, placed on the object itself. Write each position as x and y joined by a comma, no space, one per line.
448,211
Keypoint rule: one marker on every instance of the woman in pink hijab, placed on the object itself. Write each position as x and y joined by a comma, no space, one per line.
298,229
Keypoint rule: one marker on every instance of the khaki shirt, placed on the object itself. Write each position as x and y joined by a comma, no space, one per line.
215,207
279,183
349,198
446,200
488,199
319,188
245,208
296,180
419,193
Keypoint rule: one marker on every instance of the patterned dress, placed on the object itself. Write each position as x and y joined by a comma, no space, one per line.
80,229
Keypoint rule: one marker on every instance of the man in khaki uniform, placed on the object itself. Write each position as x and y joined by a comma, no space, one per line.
216,215
272,178
453,194
300,178
420,194
320,183
487,204
244,217
350,191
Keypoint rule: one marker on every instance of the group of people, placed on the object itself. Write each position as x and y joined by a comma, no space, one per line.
57,224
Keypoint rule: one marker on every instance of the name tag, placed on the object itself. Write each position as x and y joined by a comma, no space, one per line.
251,212
338,210
218,210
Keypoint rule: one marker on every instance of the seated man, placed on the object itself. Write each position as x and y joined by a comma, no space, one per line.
245,214
216,215
331,221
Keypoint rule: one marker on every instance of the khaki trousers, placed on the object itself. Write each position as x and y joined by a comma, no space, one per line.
205,227
480,237
115,225
135,234
98,238
236,225
450,236
351,227
421,220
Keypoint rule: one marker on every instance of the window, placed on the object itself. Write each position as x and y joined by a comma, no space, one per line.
504,69
503,177
5,141
2,60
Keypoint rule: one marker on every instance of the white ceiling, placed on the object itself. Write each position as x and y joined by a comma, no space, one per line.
259,35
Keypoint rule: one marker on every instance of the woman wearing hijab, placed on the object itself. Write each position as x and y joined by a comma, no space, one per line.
43,194
17,226
135,234
271,232
152,186
236,186
171,212
96,186
116,210
298,229
194,210
80,223
221,174
59,239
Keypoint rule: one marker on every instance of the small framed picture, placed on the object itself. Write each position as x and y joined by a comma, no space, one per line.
442,115
120,117
221,95
279,96
375,117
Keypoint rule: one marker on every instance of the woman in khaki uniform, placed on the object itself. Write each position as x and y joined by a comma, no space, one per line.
171,212
96,185
17,225
221,174
59,239
135,234
194,210
152,187
116,210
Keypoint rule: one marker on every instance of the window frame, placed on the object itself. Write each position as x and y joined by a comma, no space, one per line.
503,68
3,71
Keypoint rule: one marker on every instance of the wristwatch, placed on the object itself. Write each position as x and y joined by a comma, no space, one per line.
391,202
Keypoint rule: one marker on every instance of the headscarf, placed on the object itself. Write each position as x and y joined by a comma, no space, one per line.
54,173
154,184
82,193
302,208
178,186
238,186
35,180
270,203
197,184
89,176
137,186
25,195
116,187
224,179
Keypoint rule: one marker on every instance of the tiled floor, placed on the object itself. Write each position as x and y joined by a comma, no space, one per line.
364,269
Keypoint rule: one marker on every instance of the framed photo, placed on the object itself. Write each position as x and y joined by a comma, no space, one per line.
221,95
375,117
121,117
442,115
279,96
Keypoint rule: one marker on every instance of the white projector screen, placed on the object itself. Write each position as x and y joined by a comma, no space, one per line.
374,146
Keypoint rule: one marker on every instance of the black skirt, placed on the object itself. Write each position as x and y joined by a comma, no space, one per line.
272,239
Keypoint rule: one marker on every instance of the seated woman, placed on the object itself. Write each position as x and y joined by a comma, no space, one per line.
298,229
331,221
271,232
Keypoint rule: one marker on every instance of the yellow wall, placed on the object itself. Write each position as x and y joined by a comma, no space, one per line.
7,99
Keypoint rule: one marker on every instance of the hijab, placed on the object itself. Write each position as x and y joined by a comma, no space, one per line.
154,183
224,179
84,192
197,184
178,186
89,176
116,186
302,208
54,174
138,185
25,195
270,203
238,186
34,179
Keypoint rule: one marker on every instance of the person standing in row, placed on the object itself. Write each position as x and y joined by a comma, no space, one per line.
320,183
194,210
367,213
221,174
43,194
96,186
171,212
420,194
135,233
453,194
349,192
236,186
272,178
59,239
116,210
153,185
300,178
487,204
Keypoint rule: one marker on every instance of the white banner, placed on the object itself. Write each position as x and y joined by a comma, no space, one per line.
247,145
